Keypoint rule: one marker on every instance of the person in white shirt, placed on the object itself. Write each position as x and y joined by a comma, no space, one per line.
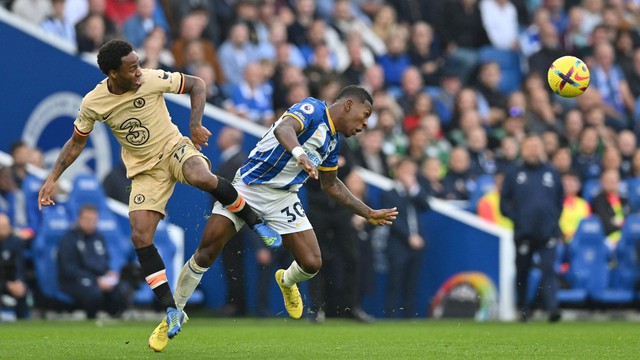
500,21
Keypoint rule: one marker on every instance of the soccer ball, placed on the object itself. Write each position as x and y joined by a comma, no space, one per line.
568,76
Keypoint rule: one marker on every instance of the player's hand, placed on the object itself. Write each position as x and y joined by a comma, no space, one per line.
308,166
382,217
200,136
44,197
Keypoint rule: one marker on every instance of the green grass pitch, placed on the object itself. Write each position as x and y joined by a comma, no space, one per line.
208,338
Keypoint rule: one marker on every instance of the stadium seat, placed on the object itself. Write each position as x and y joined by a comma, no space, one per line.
484,184
510,67
119,247
590,190
633,193
55,224
86,190
588,254
625,274
31,188
166,248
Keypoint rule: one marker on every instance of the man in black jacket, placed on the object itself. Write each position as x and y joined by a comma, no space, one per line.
12,286
532,197
83,268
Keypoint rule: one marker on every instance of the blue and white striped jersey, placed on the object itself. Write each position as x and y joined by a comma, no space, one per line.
271,164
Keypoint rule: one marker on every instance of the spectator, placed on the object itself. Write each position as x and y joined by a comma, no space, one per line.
611,159
502,34
116,184
207,9
137,27
340,251
396,60
8,193
627,146
610,206
587,160
489,92
624,48
411,87
95,8
154,53
34,11
549,50
423,54
236,53
304,13
91,34
457,182
252,96
632,74
573,126
466,100
469,120
36,158
562,161
551,142
574,38
462,34
438,145
431,177
421,107
592,14
370,155
489,204
557,14
373,78
530,39
418,142
385,22
541,116
278,38
215,96
20,156
609,79
56,25
446,95
355,72
394,139
507,154
345,22
191,29
405,245
532,198
12,285
83,268
574,208
482,161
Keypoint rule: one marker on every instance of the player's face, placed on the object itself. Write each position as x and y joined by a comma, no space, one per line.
129,76
356,118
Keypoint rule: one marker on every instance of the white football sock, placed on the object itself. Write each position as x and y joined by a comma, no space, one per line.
294,274
188,280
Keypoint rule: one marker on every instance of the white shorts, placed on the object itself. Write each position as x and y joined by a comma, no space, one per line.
280,208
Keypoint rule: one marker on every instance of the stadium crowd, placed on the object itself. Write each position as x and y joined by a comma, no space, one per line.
457,86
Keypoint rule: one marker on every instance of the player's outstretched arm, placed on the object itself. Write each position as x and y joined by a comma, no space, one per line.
285,132
340,193
69,153
195,87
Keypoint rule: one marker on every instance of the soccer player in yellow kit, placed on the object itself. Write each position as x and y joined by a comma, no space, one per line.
131,102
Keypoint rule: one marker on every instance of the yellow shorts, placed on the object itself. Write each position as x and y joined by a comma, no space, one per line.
151,189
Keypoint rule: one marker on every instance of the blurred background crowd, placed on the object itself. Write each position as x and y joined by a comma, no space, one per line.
457,85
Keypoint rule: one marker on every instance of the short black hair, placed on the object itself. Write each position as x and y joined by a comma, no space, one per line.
357,92
111,53
16,145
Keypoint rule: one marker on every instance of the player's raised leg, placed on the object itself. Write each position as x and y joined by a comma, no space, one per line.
307,262
196,172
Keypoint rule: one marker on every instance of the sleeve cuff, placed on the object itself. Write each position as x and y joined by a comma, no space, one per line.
325,168
297,118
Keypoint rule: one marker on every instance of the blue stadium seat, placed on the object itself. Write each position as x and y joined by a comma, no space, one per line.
510,67
633,193
119,247
588,254
55,224
166,248
625,274
31,188
590,190
484,184
86,190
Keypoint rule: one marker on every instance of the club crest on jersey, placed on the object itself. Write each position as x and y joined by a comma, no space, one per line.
138,102
307,108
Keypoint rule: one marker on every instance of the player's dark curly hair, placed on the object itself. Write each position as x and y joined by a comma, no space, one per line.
110,55
355,92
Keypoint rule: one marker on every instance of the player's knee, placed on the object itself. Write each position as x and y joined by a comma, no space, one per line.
204,257
311,264
140,237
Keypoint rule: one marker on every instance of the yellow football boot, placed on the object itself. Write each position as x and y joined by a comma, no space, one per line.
159,338
291,295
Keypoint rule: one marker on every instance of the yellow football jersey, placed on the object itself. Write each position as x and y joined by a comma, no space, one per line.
139,119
